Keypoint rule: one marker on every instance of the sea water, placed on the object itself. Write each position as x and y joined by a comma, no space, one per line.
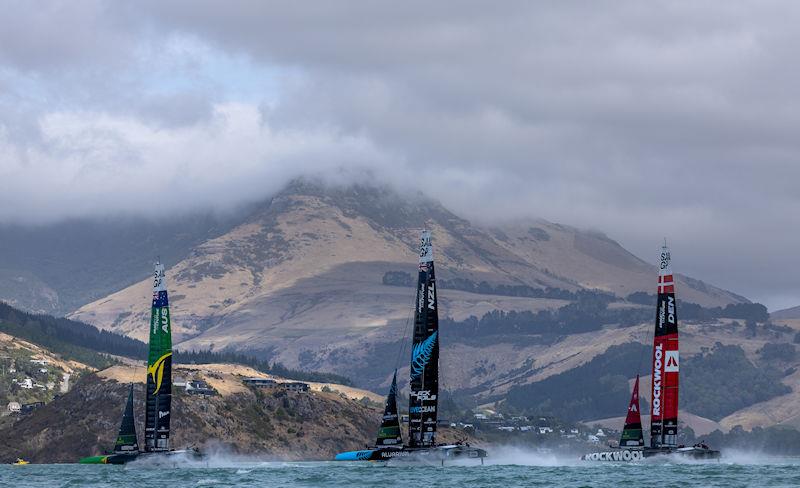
517,470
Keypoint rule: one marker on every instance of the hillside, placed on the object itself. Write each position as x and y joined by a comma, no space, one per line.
269,424
305,274
30,373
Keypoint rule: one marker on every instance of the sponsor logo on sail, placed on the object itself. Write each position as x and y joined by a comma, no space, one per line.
431,297
161,414
425,409
423,395
657,364
671,363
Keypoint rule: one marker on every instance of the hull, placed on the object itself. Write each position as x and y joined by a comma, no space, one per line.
634,455
684,452
166,457
109,459
438,454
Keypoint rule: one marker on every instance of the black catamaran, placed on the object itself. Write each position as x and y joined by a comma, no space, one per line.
158,405
664,387
424,385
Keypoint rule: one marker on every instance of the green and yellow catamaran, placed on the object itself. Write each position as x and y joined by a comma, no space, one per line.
158,403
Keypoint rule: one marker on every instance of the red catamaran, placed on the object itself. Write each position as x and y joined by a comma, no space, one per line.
664,390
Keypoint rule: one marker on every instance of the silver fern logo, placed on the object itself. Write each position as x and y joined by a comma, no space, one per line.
421,355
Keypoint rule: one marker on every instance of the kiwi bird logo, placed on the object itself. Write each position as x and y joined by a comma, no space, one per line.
157,371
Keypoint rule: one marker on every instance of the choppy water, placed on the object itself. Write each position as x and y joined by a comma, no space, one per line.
515,470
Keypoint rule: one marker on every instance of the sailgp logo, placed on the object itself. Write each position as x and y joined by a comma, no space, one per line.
421,354
657,364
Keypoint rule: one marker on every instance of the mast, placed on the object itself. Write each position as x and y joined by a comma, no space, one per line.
632,432
159,368
126,439
389,434
664,404
423,398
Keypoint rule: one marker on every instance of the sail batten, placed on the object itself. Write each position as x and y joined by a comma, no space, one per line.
423,397
159,368
665,360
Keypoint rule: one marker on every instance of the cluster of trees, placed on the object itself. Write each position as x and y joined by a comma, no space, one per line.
755,312
401,278
775,440
586,315
713,385
87,344
723,380
597,389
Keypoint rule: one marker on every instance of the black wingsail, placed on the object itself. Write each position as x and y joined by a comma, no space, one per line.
126,440
389,433
423,398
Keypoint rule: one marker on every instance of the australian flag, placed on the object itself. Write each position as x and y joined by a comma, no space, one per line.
160,299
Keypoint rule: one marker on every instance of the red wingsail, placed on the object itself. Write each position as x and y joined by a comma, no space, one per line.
664,404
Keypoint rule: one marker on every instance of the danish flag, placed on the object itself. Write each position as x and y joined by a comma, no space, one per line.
665,284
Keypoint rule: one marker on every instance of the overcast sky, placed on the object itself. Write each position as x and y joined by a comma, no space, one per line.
638,119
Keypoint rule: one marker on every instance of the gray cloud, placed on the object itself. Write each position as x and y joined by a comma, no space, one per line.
677,119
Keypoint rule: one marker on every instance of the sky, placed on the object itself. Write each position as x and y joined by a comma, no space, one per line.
643,120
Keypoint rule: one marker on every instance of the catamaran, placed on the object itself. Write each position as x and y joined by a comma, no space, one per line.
424,395
665,381
158,404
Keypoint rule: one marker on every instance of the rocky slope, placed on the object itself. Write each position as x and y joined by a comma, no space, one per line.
267,424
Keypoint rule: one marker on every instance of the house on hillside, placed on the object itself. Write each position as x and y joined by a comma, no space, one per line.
13,407
260,382
199,387
295,386
30,407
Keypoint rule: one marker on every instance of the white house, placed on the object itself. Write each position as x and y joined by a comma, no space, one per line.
13,407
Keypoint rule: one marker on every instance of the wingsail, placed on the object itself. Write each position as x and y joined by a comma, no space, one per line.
159,368
423,398
665,378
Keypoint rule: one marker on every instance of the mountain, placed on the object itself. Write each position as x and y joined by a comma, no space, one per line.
57,268
302,280
320,278
313,258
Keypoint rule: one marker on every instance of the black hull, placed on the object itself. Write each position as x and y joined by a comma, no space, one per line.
699,453
438,454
